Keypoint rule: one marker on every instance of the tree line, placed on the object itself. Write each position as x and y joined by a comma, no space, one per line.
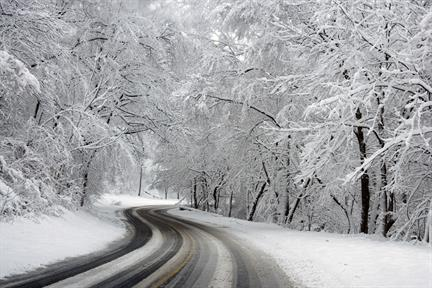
315,115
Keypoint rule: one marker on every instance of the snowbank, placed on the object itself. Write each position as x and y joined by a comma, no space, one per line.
317,259
26,245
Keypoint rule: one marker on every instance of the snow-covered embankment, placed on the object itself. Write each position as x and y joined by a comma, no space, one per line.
26,245
318,259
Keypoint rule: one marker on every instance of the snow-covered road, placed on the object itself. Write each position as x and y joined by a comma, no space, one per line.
326,260
188,247
167,251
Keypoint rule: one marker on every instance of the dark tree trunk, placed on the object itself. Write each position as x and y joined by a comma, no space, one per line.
294,208
256,201
297,202
387,196
140,181
86,178
205,194
260,193
216,193
215,198
36,109
389,219
364,180
230,203
287,190
85,183
287,206
194,194
344,210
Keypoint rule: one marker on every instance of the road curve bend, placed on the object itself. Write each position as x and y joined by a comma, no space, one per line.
163,251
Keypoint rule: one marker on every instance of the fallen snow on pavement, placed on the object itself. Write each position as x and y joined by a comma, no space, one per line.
26,245
317,259
94,276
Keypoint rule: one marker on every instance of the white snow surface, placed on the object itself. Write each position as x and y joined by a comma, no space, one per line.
125,201
26,245
311,259
319,259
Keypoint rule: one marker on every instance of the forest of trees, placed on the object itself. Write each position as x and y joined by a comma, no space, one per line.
316,115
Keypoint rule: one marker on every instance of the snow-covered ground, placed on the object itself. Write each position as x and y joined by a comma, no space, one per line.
316,259
26,245
311,259
125,201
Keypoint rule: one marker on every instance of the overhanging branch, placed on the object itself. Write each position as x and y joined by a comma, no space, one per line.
267,115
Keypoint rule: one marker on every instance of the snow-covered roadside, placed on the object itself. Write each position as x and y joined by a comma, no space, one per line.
26,245
315,259
125,201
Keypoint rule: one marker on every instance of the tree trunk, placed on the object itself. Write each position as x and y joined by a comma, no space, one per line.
364,180
216,193
387,201
204,193
427,237
256,201
294,208
85,182
287,206
345,211
85,178
36,109
215,198
287,190
194,194
375,210
230,203
297,202
140,181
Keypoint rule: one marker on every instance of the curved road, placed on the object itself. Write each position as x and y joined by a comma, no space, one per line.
162,251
